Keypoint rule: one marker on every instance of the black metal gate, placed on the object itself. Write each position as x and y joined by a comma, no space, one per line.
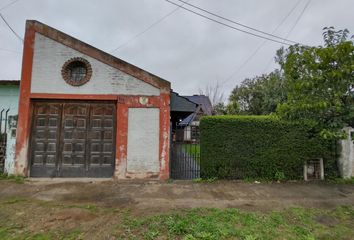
3,137
185,152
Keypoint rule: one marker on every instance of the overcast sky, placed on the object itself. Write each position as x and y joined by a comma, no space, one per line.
189,51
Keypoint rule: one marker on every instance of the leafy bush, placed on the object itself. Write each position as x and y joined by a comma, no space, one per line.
238,147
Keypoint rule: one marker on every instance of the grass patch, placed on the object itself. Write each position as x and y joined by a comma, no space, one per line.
343,180
187,224
192,149
15,200
294,223
208,180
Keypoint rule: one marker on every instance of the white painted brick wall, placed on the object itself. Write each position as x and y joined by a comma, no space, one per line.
143,140
49,57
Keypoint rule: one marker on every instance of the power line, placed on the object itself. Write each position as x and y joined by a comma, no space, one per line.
8,25
227,25
292,28
8,5
262,44
145,30
237,23
299,17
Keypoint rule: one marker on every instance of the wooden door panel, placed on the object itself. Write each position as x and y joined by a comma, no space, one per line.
101,139
45,139
73,140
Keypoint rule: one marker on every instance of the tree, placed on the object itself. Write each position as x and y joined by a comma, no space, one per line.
320,81
259,95
216,97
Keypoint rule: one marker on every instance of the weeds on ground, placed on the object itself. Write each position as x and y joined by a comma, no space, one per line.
294,223
189,224
207,180
7,177
342,180
170,180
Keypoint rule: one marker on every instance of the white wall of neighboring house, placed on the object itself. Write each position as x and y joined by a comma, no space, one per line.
346,160
9,100
188,131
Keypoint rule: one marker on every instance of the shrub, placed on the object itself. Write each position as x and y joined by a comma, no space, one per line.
238,147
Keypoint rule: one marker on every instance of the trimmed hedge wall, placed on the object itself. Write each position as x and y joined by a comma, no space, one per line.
238,147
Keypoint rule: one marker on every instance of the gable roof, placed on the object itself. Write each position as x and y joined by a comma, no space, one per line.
181,104
69,41
203,101
10,82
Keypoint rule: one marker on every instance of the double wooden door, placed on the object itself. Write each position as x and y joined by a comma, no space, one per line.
73,139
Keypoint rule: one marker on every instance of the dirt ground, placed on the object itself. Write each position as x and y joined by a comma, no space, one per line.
94,208
161,196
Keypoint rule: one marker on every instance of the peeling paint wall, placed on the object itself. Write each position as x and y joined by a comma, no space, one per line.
50,56
143,140
9,100
10,152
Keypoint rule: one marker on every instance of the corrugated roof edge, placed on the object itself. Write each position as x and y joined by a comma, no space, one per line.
9,82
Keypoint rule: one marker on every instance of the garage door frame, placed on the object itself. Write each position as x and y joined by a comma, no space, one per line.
88,169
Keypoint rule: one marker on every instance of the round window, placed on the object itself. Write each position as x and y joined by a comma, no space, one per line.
76,71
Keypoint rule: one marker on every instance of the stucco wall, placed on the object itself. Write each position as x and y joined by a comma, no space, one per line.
9,98
49,57
143,140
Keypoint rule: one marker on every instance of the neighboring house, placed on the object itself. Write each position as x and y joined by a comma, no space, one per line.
85,113
9,92
191,123
181,107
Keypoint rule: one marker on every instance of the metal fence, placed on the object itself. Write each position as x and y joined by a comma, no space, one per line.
185,152
3,137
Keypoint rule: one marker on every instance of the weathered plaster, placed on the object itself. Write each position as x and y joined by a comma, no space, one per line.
150,93
49,57
10,151
143,140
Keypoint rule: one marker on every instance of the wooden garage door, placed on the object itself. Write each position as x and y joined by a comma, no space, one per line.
73,139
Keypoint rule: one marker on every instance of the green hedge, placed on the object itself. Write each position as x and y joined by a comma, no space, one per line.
239,147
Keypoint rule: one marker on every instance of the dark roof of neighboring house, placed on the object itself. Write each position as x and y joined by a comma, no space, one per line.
203,101
9,82
181,104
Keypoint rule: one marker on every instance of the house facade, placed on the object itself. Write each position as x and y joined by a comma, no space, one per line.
85,113
9,93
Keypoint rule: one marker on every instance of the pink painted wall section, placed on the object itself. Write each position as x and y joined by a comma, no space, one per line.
24,109
164,136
